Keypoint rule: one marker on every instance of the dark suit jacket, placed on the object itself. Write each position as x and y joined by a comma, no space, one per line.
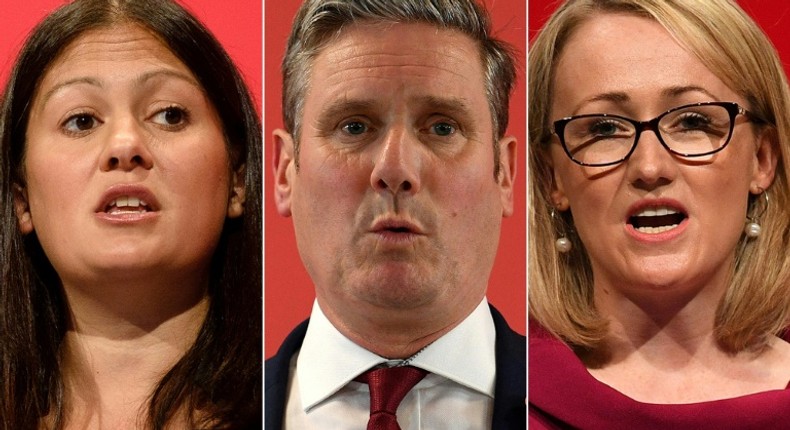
510,390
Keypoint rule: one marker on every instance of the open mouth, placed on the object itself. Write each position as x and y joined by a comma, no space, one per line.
398,230
127,205
656,220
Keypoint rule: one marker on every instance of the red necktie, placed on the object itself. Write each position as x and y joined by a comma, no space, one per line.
388,386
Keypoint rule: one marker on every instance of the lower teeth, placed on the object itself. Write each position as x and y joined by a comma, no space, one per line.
654,230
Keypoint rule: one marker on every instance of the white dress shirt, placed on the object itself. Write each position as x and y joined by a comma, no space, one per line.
458,394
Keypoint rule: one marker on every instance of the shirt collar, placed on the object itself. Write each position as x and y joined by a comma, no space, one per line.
329,360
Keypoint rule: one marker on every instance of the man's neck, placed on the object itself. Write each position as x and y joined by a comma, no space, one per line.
397,334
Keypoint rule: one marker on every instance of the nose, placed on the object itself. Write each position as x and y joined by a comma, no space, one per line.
126,148
651,164
397,165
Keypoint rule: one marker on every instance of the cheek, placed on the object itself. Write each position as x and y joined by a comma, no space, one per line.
326,195
56,184
200,178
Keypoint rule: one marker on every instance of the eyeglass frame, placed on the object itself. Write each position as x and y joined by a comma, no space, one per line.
733,108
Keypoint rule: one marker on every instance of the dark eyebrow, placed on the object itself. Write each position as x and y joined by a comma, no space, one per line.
454,105
343,106
142,79
450,105
145,77
83,80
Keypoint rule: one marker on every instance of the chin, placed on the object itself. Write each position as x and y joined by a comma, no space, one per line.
393,288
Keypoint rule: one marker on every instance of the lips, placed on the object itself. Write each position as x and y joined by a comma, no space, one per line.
656,217
395,225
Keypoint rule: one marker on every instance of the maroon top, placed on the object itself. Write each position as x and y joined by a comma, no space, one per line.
563,395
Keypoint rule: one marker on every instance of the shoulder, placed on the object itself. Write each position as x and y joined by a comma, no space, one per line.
276,367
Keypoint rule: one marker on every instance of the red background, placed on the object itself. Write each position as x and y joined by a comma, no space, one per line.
772,15
238,28
289,291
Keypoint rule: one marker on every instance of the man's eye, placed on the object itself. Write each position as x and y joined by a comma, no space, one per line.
354,128
443,129
172,116
80,123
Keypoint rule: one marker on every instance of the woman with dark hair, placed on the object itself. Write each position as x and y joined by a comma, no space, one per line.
131,226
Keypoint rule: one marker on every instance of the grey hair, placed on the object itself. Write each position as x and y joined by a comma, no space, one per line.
317,21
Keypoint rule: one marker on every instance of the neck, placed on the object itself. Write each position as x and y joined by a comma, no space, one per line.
662,346
396,334
677,319
125,335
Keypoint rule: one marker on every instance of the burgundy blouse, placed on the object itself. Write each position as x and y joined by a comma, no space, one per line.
563,395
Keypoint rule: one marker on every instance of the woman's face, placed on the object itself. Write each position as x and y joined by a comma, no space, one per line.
631,66
127,172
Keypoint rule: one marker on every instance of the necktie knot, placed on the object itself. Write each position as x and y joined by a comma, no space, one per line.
388,387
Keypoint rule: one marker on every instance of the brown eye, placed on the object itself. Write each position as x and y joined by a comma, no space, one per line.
80,123
171,117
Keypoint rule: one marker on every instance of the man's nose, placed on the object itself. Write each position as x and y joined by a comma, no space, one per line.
397,165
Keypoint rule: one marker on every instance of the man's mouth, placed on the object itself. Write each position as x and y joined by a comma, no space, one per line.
396,229
654,220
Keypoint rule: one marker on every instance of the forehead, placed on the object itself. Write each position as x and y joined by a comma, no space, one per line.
407,57
113,52
619,53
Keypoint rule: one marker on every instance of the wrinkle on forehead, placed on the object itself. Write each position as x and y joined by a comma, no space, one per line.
116,44
121,41
449,50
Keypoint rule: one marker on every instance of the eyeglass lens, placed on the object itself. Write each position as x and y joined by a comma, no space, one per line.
688,131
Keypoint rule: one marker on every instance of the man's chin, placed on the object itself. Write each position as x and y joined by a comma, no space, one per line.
397,290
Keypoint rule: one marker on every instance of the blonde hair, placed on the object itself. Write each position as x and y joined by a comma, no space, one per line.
756,304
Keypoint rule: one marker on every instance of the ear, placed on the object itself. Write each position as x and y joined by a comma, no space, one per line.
22,209
508,149
558,197
765,159
283,160
237,197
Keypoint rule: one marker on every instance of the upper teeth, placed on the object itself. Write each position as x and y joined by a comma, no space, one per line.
127,201
656,212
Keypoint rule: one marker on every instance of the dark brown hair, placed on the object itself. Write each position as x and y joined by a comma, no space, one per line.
220,375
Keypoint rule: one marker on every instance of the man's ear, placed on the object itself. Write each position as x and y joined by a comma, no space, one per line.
237,196
283,163
508,149
22,209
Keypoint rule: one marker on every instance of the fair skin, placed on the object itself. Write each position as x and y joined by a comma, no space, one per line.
396,210
660,291
118,118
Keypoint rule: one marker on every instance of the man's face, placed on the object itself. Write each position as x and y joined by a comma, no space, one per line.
395,205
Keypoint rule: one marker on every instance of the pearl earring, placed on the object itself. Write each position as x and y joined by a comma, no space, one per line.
753,228
563,245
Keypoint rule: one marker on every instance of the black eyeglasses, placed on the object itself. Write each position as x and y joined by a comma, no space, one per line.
693,130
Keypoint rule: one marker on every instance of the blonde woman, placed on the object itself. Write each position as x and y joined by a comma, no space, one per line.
659,194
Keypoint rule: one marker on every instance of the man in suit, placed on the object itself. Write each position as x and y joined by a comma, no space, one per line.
395,167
